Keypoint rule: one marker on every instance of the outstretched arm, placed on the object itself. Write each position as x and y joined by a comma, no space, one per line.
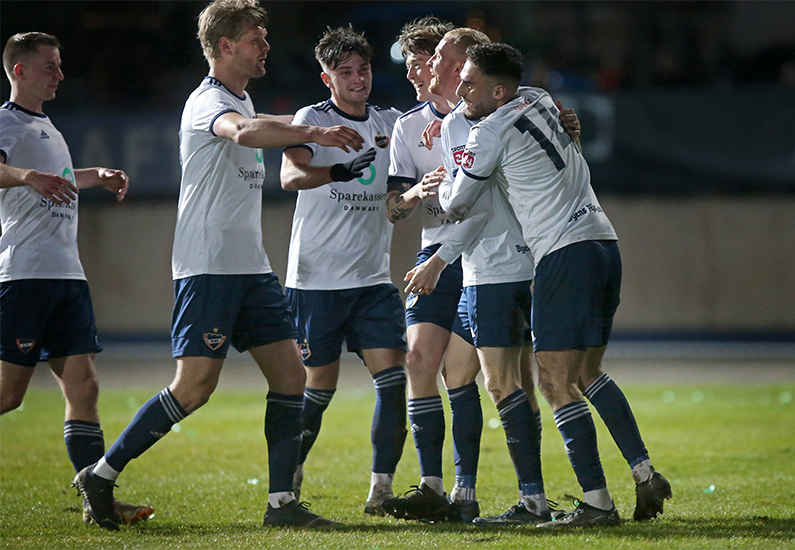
115,181
269,131
297,174
55,188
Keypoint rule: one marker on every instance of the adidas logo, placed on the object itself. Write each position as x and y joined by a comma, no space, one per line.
415,428
44,135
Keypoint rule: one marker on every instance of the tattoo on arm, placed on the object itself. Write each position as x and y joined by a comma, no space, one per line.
396,207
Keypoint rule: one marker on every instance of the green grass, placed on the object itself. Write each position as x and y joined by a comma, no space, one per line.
728,450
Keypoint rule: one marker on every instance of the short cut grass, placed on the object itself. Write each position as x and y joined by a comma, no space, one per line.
23,44
228,18
337,45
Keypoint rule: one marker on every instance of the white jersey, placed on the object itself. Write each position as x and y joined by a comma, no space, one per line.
39,239
410,160
489,240
219,226
341,237
543,172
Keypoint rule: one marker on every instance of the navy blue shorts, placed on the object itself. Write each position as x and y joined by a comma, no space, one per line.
497,315
366,318
576,296
213,311
440,306
42,319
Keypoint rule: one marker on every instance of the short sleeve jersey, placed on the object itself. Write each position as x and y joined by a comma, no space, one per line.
543,172
341,237
410,160
219,226
498,253
39,239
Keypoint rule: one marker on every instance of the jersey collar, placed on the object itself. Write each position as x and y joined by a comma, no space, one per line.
14,107
343,114
215,82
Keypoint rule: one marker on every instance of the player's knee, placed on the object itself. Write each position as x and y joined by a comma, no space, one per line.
419,363
10,400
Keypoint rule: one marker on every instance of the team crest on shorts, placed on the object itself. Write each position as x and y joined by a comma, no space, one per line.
381,140
25,344
411,300
303,347
214,340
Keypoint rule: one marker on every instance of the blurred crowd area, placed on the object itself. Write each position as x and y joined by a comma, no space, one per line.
144,54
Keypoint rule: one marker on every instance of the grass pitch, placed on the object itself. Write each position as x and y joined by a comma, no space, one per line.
728,450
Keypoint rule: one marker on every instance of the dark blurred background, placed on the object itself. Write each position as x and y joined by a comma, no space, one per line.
688,110
674,96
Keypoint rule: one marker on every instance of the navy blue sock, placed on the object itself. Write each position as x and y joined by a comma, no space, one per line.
388,430
521,434
467,428
283,426
426,416
153,421
579,435
609,401
85,443
315,404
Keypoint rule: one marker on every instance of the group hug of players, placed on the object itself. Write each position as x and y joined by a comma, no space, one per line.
518,260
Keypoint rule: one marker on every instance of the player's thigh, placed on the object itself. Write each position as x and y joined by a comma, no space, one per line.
14,380
461,363
77,376
377,320
440,306
281,365
265,317
427,343
204,316
496,313
322,318
576,295
195,380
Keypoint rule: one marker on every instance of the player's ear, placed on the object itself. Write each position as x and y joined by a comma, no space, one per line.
326,80
499,92
225,45
19,70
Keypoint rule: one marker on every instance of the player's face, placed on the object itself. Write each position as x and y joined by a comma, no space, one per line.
477,92
350,82
249,53
41,73
445,64
419,74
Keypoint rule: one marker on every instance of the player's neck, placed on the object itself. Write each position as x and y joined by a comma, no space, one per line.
31,103
352,109
233,81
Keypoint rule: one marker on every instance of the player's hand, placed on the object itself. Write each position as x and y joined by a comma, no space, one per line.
429,185
569,119
423,278
354,168
115,181
340,136
55,188
432,130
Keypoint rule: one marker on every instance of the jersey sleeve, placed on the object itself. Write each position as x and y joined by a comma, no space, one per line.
402,169
208,107
10,135
306,116
482,153
465,232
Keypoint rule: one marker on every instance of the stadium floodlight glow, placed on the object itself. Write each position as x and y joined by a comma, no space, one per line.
396,54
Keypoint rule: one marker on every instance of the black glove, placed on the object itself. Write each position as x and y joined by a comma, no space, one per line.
354,168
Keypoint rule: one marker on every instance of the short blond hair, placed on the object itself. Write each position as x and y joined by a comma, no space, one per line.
228,18
23,44
464,38
422,35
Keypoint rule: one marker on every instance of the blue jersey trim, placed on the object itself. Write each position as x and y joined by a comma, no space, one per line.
215,82
222,113
435,111
5,155
300,145
343,114
11,106
474,177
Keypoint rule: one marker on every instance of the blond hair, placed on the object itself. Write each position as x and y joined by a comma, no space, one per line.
228,18
422,35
